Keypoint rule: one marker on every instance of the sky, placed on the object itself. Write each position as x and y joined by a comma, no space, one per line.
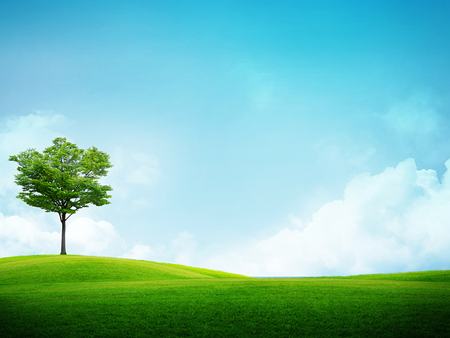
287,138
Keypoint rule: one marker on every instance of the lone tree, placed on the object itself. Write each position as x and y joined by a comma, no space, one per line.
62,179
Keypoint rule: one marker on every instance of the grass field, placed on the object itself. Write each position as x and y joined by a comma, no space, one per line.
77,296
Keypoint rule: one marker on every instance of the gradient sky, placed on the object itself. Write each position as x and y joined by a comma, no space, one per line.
240,131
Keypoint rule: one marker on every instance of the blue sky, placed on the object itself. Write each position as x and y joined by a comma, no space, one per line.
236,129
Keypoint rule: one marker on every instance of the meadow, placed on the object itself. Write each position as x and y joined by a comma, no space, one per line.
80,296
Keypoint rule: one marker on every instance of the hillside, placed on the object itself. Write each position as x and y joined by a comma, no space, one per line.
79,296
57,268
418,276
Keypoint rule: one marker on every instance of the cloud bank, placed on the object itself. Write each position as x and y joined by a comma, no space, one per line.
398,220
24,236
395,221
21,236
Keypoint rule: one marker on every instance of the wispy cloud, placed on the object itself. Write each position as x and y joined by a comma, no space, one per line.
181,250
390,222
137,168
133,175
141,252
17,134
30,131
417,116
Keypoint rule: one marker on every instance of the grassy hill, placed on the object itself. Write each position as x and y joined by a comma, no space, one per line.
79,296
26,269
420,276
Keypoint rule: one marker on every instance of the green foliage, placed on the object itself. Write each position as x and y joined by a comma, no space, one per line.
211,307
63,178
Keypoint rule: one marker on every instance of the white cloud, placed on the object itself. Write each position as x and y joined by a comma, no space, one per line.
183,248
141,252
17,134
134,168
131,178
180,251
23,236
145,169
19,236
28,235
391,222
87,237
30,131
297,222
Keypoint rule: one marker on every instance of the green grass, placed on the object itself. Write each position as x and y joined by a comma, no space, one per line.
424,276
41,297
60,269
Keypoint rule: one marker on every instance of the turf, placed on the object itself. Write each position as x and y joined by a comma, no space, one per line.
200,303
424,276
32,269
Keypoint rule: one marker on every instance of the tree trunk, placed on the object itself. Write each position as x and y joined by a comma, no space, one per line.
63,234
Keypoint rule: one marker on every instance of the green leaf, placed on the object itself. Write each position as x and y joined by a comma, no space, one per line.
63,178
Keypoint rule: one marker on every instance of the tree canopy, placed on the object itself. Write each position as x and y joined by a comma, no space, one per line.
62,179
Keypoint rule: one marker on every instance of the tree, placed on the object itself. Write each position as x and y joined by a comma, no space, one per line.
62,179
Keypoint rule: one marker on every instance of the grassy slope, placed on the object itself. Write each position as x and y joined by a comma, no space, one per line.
84,268
184,301
423,276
